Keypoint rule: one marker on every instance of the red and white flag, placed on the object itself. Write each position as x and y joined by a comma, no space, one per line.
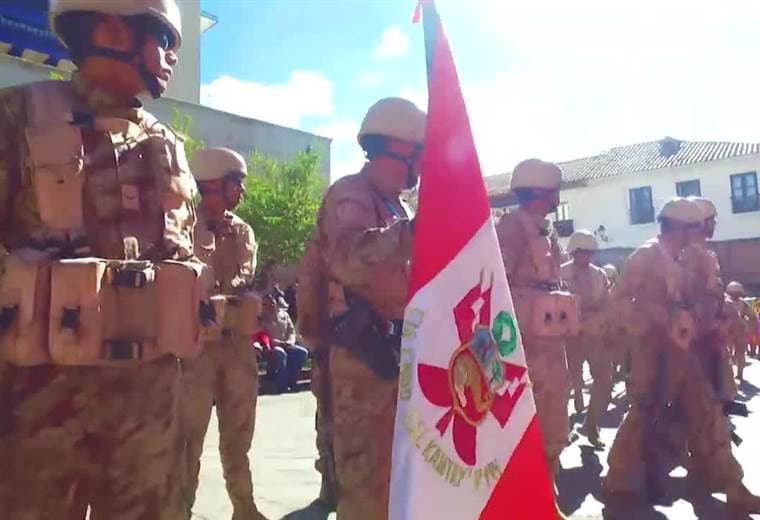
466,442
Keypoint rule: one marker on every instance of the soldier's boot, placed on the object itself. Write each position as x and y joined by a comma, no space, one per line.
740,500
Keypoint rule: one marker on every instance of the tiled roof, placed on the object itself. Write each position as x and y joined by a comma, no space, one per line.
625,160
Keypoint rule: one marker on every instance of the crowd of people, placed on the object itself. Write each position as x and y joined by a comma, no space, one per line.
127,309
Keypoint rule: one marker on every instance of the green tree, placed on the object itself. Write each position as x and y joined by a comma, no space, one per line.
281,204
182,124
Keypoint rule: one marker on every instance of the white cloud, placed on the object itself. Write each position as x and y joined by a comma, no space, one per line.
305,94
370,79
415,95
576,79
346,156
393,44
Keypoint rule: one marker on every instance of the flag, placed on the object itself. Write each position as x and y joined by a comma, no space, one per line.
466,440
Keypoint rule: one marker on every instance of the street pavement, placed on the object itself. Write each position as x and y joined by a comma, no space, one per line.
285,481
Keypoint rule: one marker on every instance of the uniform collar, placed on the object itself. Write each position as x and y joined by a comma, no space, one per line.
102,104
534,222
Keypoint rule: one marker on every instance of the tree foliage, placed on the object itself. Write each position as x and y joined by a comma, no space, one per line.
183,125
281,204
281,201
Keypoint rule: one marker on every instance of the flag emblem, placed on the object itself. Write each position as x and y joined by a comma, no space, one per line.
478,380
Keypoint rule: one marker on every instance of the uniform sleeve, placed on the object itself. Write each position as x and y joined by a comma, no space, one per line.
12,115
248,253
355,248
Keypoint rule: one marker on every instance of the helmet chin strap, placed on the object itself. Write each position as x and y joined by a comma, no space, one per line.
133,59
411,178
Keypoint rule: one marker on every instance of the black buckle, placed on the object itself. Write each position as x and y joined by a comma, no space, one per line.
70,318
122,350
8,316
130,278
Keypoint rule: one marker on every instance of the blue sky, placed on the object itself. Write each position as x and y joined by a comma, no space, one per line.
546,78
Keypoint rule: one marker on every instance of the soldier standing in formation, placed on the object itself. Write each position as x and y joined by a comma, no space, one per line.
703,290
742,328
226,373
666,376
356,269
532,258
86,172
589,283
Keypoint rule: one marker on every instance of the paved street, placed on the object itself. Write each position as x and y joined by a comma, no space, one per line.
285,479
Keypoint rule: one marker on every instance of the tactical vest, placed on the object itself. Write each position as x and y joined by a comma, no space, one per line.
543,310
320,295
92,284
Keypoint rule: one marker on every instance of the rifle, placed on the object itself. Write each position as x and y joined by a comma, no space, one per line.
373,339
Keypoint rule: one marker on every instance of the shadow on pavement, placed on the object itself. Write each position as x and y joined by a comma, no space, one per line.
575,484
747,391
314,511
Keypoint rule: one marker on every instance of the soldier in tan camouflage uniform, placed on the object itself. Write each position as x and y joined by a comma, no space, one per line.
356,273
86,173
532,258
669,392
741,330
226,373
589,283
703,290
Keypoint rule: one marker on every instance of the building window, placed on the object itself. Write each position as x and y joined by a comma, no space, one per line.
744,196
688,189
563,212
640,202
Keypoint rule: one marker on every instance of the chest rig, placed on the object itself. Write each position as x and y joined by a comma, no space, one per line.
94,283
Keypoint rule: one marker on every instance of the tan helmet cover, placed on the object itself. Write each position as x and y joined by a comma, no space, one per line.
535,173
582,239
394,117
212,164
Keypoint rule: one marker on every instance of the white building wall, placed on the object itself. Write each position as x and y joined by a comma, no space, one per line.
185,84
605,201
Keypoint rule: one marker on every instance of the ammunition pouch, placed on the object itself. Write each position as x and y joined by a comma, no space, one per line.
371,338
91,311
24,310
57,164
228,317
547,314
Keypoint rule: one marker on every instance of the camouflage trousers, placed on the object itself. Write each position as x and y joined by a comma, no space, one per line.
715,359
103,436
739,351
225,375
322,389
364,415
696,422
593,350
547,368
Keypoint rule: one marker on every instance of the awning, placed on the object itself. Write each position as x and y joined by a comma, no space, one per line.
24,33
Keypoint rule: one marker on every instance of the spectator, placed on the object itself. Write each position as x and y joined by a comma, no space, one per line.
286,358
290,299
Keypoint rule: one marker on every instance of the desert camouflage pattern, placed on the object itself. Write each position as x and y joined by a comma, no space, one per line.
532,255
365,242
656,282
590,286
225,375
74,436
